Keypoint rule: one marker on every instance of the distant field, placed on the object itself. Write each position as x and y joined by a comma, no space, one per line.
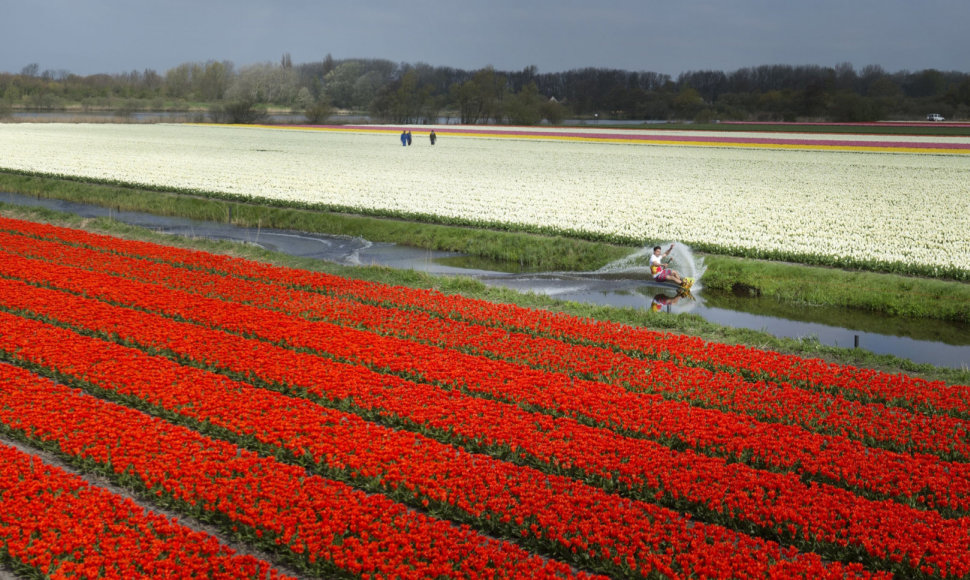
746,135
890,202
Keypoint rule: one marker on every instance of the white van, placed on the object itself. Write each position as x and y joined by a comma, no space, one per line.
934,117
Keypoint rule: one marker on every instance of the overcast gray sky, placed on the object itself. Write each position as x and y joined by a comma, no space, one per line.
114,36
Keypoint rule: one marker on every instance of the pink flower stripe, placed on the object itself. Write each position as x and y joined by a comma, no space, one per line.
367,451
780,498
921,478
861,124
864,384
305,513
63,527
668,137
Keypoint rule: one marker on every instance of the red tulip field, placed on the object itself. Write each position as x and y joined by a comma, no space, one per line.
339,428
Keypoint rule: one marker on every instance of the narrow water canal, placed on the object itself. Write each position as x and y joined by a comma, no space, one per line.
934,342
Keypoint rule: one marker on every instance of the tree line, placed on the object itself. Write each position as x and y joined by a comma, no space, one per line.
420,93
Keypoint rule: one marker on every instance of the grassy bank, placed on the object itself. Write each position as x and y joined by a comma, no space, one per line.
889,294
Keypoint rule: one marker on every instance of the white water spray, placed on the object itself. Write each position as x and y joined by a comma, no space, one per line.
638,263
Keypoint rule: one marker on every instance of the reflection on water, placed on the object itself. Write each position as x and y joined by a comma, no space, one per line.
933,352
933,342
855,320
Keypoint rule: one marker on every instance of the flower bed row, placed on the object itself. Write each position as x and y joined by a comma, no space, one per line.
920,479
772,502
55,523
848,142
504,498
327,524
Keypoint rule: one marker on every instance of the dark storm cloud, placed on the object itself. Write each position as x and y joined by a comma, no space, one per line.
112,36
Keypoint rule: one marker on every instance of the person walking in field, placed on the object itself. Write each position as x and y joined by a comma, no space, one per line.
659,269
433,137
404,138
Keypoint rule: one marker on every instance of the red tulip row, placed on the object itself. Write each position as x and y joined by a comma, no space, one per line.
315,518
772,501
515,500
863,384
922,479
59,525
